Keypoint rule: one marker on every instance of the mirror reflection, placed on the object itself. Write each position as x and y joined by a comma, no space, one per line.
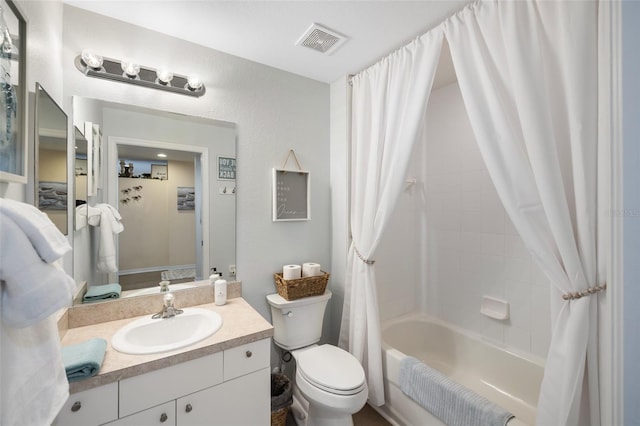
80,168
159,181
51,159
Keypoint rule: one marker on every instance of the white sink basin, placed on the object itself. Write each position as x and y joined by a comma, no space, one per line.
156,290
148,336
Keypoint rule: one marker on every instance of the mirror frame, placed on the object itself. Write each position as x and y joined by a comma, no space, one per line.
40,91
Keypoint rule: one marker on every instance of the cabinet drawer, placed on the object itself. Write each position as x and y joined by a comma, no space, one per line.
157,387
162,415
91,407
246,359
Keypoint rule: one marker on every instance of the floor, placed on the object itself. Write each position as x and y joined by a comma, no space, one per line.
365,417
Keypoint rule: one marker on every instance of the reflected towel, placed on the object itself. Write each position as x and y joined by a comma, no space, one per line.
109,224
97,293
83,360
451,402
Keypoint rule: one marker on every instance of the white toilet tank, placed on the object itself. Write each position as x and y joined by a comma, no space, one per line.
297,323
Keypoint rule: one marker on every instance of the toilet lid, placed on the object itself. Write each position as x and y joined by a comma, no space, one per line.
331,369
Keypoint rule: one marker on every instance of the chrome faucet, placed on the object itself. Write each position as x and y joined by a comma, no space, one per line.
164,286
168,310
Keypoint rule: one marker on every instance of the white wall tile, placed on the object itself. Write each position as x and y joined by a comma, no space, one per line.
472,248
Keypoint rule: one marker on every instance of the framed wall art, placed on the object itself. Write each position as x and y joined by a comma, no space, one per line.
13,93
226,168
290,195
160,171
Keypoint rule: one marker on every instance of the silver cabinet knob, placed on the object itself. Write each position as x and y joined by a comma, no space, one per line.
163,417
188,408
248,354
76,406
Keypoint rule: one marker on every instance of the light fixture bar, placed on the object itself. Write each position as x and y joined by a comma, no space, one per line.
111,69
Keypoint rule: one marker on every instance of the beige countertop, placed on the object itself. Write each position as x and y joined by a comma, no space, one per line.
241,324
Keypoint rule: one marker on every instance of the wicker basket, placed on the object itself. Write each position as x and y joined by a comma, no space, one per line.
301,287
279,417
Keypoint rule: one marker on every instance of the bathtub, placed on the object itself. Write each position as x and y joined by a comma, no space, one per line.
503,377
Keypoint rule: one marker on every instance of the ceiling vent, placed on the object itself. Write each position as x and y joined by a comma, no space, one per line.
321,39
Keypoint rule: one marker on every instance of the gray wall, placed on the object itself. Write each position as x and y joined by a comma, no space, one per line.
631,165
274,111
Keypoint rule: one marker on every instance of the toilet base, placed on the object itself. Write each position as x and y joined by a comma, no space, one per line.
305,415
320,416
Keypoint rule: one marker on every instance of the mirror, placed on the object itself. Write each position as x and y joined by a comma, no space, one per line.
51,159
80,166
178,213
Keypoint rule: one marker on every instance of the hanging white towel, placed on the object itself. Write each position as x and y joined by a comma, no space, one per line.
34,382
43,234
34,385
86,215
109,226
32,289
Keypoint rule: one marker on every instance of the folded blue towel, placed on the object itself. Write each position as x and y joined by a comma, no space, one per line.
451,402
83,360
98,293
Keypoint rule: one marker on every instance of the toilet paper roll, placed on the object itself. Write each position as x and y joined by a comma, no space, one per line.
311,269
291,272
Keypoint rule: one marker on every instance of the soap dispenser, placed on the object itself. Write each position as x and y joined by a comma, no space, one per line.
220,291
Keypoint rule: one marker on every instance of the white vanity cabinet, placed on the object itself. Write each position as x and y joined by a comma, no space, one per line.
225,388
91,407
162,415
239,402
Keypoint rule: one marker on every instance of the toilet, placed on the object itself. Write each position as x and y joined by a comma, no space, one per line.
330,380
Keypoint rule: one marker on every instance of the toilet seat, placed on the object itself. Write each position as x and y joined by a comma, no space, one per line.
331,369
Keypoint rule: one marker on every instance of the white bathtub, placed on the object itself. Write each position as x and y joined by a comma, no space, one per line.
503,377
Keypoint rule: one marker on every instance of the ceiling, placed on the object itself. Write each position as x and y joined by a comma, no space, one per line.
266,31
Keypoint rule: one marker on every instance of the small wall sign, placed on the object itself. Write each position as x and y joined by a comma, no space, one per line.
226,168
159,171
290,195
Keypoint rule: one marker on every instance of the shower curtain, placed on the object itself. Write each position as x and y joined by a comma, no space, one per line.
527,71
390,99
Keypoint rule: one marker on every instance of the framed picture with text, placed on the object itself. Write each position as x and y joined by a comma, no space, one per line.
13,93
290,195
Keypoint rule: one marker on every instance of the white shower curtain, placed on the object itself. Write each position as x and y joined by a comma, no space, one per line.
528,75
389,101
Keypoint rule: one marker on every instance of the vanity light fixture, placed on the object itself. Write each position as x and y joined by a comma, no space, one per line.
130,69
93,65
161,155
91,59
164,76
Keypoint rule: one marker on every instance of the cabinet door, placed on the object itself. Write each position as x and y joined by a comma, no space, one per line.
162,415
240,402
91,407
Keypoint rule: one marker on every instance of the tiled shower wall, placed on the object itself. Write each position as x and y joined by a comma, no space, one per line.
458,243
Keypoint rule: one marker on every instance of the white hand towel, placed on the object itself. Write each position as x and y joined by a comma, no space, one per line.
109,225
36,225
93,216
32,289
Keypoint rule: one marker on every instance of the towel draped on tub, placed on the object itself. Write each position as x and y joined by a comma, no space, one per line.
451,402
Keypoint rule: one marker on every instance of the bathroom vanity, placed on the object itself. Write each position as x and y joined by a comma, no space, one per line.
223,379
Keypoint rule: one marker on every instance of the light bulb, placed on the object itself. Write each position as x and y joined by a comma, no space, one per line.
194,83
131,69
164,76
92,59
